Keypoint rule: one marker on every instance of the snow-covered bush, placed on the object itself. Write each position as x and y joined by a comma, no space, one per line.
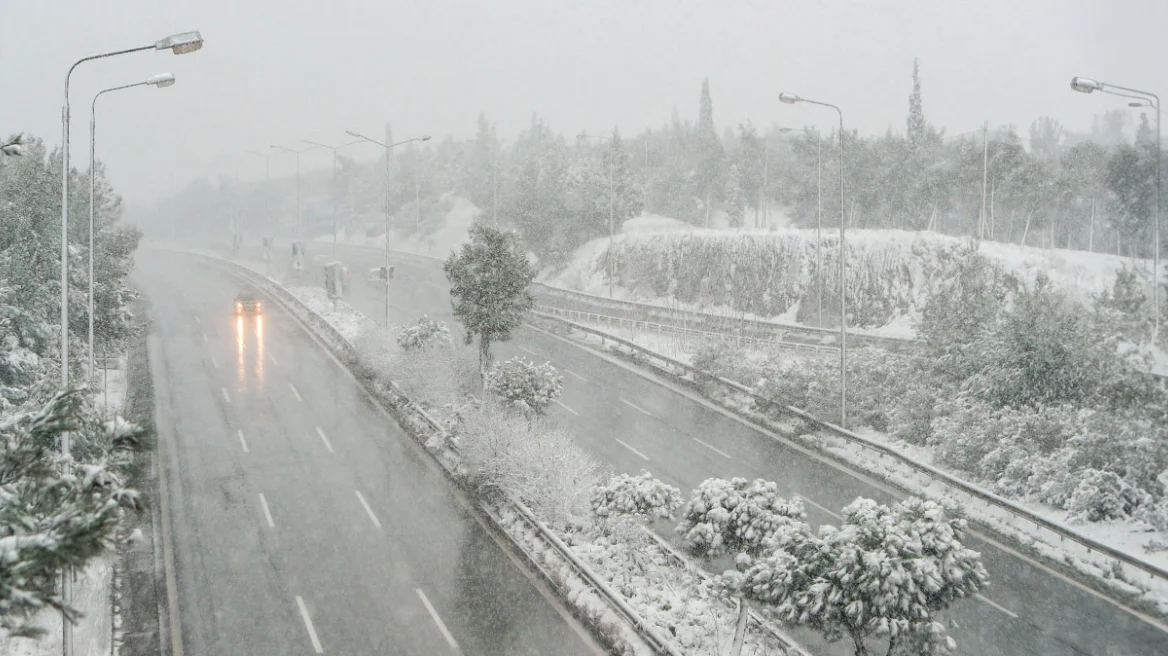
736,516
884,573
540,465
1103,495
518,382
435,376
424,334
635,496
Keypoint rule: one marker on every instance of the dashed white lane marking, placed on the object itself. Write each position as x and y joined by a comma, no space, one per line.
267,511
527,350
437,620
825,509
308,625
214,362
225,396
368,510
625,445
573,373
637,408
324,438
204,336
274,361
988,602
713,448
296,392
197,320
565,406
242,441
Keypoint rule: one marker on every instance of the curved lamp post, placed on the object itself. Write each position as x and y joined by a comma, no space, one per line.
791,99
161,80
336,202
388,153
179,44
297,154
1148,99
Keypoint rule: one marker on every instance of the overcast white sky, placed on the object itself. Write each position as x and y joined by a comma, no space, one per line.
276,71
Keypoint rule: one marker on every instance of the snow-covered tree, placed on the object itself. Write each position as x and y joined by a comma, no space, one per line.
641,496
519,382
739,518
884,573
424,334
489,277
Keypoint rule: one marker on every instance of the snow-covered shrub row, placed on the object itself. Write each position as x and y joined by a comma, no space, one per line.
641,496
770,274
521,383
1017,386
861,580
425,333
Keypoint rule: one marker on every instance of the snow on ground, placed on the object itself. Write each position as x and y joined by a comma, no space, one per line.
342,316
452,233
112,392
93,632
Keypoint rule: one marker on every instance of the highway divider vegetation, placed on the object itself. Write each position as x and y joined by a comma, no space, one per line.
58,512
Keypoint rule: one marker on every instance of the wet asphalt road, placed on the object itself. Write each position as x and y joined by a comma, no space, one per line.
303,520
631,422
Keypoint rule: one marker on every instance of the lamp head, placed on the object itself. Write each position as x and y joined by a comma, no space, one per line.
789,98
161,80
1085,84
181,44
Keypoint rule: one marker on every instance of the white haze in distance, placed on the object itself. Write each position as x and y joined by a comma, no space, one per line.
279,71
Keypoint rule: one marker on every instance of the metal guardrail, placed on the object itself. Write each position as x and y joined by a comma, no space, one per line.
972,490
349,352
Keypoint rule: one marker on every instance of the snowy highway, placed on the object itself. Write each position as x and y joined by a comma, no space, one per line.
302,520
631,421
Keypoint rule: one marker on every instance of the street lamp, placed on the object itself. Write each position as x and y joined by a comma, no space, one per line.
388,154
267,181
611,208
791,99
179,44
336,202
161,80
297,154
818,217
1148,99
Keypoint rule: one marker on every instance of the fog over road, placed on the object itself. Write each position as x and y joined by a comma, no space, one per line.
303,519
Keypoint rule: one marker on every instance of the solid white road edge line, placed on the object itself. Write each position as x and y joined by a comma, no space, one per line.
308,625
324,438
989,602
225,397
296,392
242,441
361,498
637,408
849,471
713,448
565,406
437,620
267,511
625,445
175,622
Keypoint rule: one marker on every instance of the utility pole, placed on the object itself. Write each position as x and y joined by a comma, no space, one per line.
985,167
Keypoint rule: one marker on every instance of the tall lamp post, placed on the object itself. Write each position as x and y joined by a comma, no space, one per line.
336,202
161,80
791,99
297,154
179,44
1149,99
267,177
611,208
388,154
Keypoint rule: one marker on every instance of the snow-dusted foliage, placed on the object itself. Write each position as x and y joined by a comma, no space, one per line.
57,513
884,573
635,496
435,376
424,334
519,382
538,464
736,516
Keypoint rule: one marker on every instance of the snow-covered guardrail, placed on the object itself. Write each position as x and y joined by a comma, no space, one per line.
682,369
421,423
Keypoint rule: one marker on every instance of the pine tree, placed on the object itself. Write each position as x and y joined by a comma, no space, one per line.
489,278
1145,136
917,126
749,162
710,156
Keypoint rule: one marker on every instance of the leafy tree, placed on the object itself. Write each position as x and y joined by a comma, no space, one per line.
740,518
523,384
884,573
749,158
489,277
